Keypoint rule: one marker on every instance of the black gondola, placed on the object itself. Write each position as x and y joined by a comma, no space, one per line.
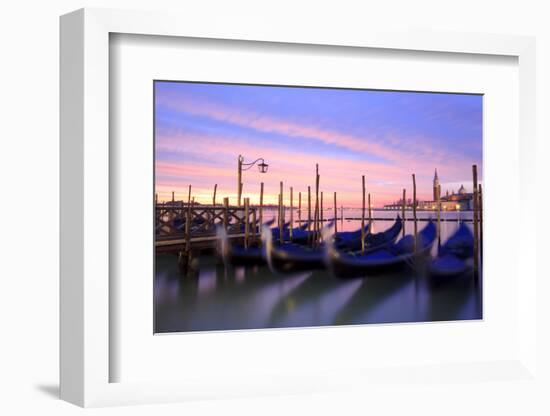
455,256
291,257
381,260
237,254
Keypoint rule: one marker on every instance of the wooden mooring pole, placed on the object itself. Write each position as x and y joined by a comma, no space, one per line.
335,214
239,179
480,199
188,224
225,213
246,222
363,220
438,203
291,211
214,196
309,208
476,219
255,226
403,205
261,204
281,221
281,213
316,216
414,213
299,209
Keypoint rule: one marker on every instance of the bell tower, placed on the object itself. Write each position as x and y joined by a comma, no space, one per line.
436,185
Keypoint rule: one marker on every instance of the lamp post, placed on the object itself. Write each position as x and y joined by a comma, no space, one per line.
241,165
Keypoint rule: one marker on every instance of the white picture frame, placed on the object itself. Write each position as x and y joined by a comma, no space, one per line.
85,212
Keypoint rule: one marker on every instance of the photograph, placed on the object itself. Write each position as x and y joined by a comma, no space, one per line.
285,206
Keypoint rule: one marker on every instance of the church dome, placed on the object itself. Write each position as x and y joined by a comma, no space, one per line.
462,190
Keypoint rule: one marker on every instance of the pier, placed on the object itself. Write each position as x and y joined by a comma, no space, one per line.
173,234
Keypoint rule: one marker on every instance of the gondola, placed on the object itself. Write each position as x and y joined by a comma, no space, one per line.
455,256
302,235
351,241
389,258
258,227
292,257
237,254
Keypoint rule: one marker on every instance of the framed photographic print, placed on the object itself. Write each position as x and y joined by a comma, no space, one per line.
335,247
237,206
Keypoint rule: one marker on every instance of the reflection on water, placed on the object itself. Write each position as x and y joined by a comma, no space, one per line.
221,298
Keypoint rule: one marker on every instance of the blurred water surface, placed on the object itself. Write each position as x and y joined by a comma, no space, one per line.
228,298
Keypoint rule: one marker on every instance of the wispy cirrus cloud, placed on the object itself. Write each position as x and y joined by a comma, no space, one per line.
401,151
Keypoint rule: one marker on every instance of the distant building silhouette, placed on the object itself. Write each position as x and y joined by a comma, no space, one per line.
460,201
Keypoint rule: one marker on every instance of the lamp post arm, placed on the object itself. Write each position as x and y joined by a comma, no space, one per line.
249,165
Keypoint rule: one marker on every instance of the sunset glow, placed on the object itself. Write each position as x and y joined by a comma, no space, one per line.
200,129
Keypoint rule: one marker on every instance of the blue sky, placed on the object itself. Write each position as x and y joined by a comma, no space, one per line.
202,128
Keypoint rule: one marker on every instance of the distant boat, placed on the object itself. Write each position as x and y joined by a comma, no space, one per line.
386,259
292,257
454,257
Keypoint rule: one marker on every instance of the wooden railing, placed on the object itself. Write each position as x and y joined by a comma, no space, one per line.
171,219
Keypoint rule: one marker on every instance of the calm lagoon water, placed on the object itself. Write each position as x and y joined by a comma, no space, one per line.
221,298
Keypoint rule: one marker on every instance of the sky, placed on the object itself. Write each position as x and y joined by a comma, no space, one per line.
201,129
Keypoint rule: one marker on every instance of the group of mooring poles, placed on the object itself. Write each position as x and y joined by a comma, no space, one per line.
315,212
315,219
366,199
477,217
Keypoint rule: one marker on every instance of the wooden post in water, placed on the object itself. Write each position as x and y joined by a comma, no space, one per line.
281,220
279,226
414,212
254,225
299,209
309,208
309,211
476,225
363,220
291,211
156,199
281,214
480,199
239,179
214,197
188,224
173,199
403,205
225,213
438,206
246,222
261,203
370,215
316,216
335,215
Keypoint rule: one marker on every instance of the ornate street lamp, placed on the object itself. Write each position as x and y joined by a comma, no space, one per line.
262,166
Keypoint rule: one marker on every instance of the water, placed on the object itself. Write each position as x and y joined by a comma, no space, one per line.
251,297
